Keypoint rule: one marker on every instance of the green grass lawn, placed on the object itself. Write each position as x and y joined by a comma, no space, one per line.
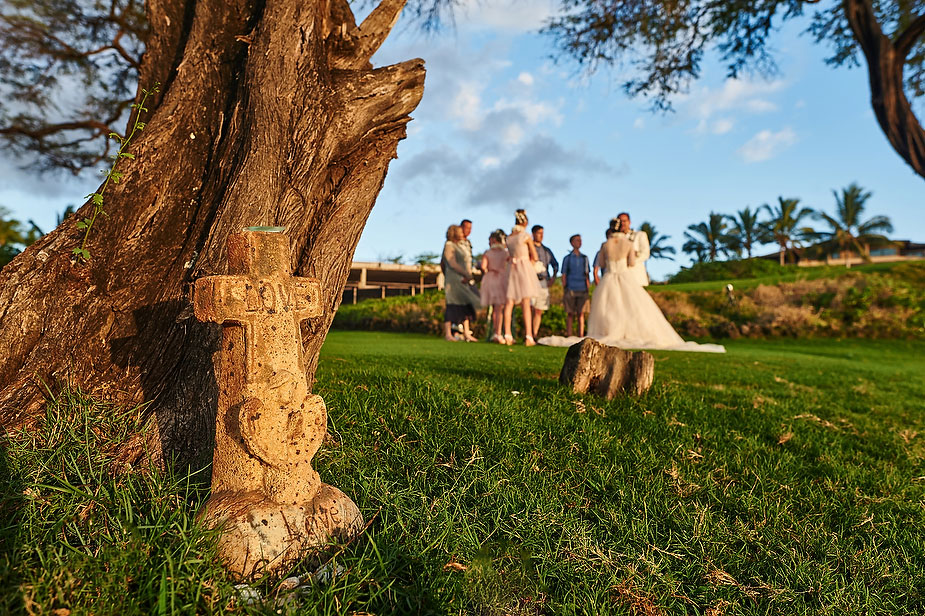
784,477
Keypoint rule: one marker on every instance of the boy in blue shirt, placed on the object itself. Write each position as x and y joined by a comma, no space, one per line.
576,285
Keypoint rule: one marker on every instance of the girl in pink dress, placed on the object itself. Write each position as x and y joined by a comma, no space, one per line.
494,281
522,283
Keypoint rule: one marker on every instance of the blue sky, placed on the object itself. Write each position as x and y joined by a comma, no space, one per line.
502,126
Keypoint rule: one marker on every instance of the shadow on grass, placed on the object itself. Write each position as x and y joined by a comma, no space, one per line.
12,502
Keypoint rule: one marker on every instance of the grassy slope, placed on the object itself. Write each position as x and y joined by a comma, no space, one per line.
796,275
782,477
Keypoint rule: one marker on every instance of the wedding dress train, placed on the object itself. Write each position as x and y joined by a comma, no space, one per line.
624,315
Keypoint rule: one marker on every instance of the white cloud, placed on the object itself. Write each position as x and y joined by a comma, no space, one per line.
535,112
736,95
722,126
538,168
467,104
541,168
507,121
766,145
487,132
758,105
512,134
525,78
639,123
510,15
440,161
464,93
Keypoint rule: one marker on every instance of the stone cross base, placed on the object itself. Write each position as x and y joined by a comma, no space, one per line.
607,371
260,536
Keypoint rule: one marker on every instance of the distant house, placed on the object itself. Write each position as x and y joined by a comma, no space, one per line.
901,250
371,279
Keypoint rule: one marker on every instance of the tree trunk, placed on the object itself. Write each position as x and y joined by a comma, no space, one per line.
269,113
886,60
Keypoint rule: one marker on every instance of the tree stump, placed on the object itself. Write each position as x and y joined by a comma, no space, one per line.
607,371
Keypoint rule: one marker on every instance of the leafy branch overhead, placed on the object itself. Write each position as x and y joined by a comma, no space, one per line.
665,41
50,49
662,44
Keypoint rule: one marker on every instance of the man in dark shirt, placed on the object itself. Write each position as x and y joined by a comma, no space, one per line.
541,302
575,285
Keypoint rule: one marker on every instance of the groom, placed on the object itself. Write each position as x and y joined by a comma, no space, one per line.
640,245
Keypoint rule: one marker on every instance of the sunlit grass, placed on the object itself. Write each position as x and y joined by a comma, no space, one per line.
781,478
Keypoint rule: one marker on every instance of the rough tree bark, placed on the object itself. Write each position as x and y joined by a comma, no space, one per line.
269,113
886,59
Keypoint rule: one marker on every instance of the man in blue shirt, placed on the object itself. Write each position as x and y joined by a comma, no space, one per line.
546,259
575,285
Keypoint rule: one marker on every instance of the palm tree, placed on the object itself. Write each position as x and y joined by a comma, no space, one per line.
422,261
397,258
712,239
847,232
747,230
14,236
695,247
784,226
657,249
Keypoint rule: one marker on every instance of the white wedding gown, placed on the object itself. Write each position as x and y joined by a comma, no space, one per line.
624,315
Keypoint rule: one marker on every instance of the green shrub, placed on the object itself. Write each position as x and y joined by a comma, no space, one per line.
874,302
424,314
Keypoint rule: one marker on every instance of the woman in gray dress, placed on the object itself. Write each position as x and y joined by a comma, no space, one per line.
460,296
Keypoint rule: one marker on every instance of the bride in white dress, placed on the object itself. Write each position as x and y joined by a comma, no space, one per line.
622,312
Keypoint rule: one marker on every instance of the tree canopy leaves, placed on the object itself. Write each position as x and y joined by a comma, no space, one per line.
68,68
664,42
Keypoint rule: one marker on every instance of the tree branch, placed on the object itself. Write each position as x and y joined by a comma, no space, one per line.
377,26
354,46
65,50
885,66
45,131
119,49
907,37
379,98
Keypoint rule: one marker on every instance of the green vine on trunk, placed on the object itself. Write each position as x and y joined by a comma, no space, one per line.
112,175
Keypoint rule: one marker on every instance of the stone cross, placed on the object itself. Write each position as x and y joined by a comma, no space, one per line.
266,495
